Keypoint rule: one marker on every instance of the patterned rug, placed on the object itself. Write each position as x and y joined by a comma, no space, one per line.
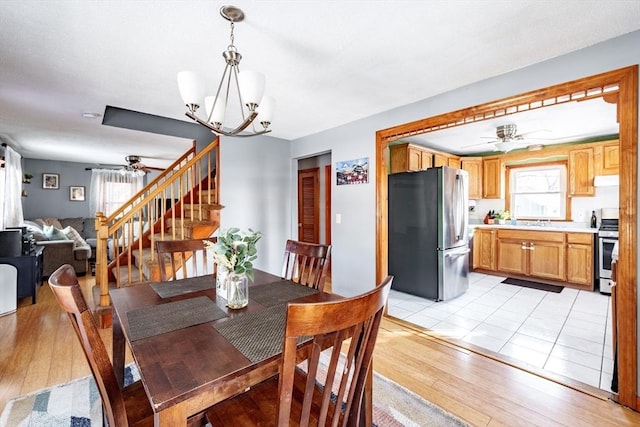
77,404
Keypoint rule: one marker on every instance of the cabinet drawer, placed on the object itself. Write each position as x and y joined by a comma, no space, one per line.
547,236
581,238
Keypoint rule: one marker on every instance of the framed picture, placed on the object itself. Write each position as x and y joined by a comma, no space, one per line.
51,181
352,171
76,194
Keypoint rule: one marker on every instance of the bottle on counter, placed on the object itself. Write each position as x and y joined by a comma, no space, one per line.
594,219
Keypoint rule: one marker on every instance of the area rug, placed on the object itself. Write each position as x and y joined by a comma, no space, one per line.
533,285
77,404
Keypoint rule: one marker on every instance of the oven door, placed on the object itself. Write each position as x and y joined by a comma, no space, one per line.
606,248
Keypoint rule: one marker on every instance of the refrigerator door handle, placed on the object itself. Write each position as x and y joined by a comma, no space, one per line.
457,252
459,211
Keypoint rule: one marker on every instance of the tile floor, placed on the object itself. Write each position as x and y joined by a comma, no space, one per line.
567,333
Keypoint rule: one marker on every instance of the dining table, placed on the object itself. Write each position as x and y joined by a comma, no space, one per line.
191,350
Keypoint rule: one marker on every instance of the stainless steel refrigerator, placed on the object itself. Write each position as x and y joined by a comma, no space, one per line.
428,232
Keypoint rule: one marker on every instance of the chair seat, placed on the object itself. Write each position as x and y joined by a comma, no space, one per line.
258,406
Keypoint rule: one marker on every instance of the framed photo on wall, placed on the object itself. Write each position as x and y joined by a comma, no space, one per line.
352,171
76,193
51,181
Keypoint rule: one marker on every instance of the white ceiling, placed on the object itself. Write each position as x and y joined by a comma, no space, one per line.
327,62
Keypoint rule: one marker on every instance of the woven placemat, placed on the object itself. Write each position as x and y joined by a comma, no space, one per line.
279,292
258,335
184,286
159,319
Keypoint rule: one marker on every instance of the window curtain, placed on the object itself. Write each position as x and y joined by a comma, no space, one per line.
12,215
111,188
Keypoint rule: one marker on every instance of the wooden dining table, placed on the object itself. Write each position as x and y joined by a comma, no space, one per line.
191,350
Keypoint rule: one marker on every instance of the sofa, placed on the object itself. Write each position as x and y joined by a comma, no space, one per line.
65,241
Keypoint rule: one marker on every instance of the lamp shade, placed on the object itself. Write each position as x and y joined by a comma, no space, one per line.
251,85
266,109
218,110
191,87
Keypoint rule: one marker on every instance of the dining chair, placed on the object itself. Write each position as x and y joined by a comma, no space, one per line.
295,397
128,406
184,258
306,263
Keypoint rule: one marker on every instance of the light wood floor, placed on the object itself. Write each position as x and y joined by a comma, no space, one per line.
38,349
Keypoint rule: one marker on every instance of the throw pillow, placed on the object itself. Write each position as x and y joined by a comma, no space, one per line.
53,233
72,234
35,230
49,220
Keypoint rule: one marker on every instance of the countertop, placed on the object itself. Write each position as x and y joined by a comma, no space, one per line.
563,228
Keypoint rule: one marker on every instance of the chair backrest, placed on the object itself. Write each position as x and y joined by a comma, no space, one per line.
184,258
306,263
64,284
356,320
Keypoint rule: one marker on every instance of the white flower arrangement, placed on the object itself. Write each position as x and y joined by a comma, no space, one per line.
235,250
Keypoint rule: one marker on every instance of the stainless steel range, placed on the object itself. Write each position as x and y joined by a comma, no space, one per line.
607,238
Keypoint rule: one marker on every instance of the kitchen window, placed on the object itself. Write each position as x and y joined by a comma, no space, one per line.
538,192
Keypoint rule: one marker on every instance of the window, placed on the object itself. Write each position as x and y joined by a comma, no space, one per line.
538,192
110,189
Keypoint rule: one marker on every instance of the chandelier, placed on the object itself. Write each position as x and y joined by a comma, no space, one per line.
249,86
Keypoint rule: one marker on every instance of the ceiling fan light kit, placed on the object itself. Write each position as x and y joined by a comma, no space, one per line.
249,86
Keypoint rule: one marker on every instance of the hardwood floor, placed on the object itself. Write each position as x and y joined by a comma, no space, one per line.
39,349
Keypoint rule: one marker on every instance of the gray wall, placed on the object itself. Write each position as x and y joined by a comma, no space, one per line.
255,188
40,202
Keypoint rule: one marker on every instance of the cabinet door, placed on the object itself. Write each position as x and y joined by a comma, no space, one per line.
484,250
512,257
610,159
474,169
439,160
581,172
454,163
491,178
580,260
546,260
414,159
426,160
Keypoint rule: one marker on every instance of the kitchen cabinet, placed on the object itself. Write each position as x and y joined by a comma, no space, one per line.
581,171
454,163
580,260
539,254
484,249
491,178
440,160
607,158
473,166
409,158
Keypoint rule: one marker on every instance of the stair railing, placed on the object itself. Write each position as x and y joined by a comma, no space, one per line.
184,194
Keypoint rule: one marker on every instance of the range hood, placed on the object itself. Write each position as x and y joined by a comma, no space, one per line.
606,180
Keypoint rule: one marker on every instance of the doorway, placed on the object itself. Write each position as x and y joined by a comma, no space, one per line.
314,199
626,81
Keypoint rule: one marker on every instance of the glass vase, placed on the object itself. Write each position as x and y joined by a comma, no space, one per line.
237,291
221,281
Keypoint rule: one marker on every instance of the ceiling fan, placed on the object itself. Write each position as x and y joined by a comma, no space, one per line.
135,165
507,138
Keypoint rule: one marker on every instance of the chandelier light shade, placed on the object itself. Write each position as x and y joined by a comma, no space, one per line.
248,87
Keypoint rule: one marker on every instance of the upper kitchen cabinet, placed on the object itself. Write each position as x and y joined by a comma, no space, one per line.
581,172
453,162
607,158
473,166
409,158
492,178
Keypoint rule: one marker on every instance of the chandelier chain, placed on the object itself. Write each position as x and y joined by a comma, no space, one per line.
231,36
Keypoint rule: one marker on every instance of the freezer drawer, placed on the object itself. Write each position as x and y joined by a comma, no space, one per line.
453,274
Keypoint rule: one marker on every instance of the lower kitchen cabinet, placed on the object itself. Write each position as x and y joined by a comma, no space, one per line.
532,253
484,249
580,260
